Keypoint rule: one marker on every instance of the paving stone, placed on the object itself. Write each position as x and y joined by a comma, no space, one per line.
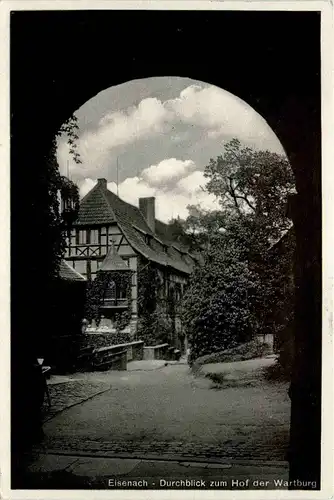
162,470
193,464
165,415
51,463
67,393
146,365
97,467
219,466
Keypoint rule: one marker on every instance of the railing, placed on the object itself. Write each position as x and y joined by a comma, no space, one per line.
115,357
108,358
115,302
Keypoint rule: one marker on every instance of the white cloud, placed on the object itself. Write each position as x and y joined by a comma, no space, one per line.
193,182
199,110
86,185
167,170
215,109
218,112
210,107
149,118
132,188
171,200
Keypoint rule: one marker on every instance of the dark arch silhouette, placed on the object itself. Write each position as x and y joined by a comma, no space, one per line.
271,60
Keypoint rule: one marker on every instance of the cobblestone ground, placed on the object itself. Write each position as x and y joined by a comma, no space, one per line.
65,395
168,413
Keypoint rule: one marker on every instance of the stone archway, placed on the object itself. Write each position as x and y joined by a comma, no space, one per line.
280,79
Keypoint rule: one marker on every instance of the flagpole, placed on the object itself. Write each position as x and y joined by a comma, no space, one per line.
117,176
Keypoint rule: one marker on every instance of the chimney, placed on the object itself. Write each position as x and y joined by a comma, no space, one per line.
147,208
102,183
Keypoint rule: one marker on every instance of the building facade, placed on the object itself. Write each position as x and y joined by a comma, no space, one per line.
110,234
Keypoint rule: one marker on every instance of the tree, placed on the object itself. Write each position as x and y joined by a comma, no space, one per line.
60,209
217,309
252,188
43,237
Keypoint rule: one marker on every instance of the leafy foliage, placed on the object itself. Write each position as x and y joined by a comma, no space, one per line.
248,350
95,294
239,291
252,188
257,182
58,219
156,312
218,305
70,129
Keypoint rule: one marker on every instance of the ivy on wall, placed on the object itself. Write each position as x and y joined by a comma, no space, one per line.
156,308
95,296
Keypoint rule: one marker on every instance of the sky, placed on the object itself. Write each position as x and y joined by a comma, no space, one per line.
161,132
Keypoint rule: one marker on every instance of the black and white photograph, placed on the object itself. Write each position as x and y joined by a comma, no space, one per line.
167,249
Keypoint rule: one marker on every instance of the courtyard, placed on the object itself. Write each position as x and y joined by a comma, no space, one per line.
155,414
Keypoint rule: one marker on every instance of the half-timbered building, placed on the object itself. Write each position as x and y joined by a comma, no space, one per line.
112,234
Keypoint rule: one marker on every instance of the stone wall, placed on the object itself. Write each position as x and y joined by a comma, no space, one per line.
99,352
96,340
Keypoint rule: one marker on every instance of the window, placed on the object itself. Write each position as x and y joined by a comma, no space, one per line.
114,295
103,235
94,236
110,291
120,293
82,236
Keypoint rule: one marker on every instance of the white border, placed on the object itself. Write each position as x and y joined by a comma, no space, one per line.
247,5
326,9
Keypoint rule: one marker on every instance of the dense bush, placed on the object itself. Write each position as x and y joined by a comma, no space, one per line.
155,328
104,339
241,352
217,309
243,288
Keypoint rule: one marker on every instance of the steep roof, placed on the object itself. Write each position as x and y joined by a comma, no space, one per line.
95,209
101,206
66,272
113,262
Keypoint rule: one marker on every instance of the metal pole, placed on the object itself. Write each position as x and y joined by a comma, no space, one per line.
117,176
